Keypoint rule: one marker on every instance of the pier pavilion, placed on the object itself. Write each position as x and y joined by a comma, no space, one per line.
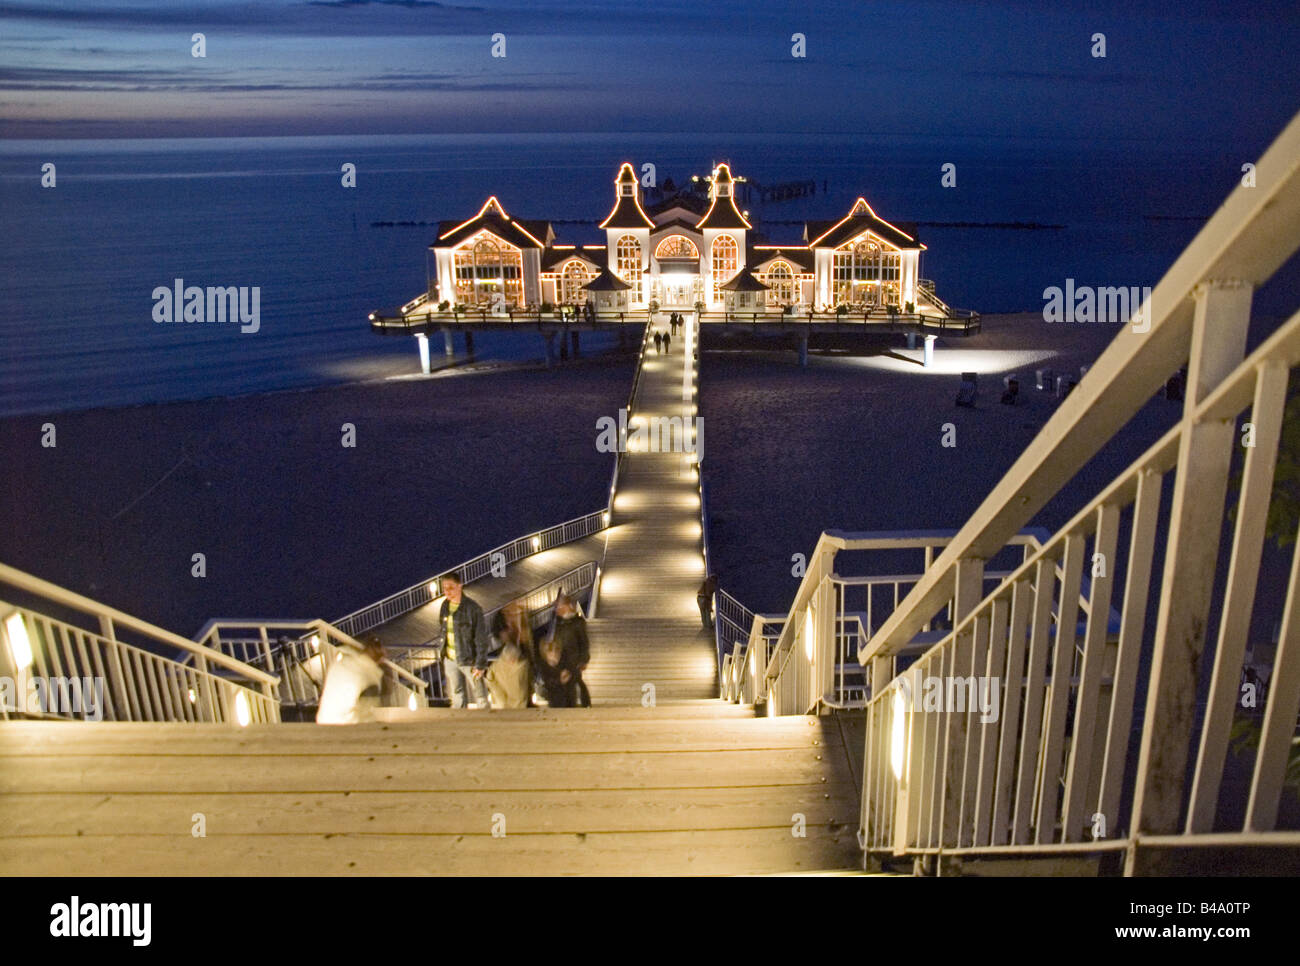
679,253
1108,753
687,252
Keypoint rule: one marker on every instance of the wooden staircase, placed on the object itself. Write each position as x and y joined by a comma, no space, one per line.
688,787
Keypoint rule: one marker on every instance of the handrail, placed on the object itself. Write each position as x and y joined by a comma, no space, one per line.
1252,233
419,594
1046,766
111,617
631,400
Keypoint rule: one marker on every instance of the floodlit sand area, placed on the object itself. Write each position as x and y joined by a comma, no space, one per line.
854,442
292,523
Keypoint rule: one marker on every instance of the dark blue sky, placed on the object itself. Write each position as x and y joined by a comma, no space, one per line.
1219,76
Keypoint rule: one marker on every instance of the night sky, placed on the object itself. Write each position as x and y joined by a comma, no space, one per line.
1222,76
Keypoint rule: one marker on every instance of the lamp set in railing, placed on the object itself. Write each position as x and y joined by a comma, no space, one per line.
20,645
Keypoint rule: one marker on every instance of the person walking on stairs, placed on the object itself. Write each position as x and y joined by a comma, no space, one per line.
659,342
668,342
704,597
464,642
571,634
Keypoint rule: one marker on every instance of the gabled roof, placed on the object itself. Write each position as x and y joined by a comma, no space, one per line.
798,256
833,234
492,217
607,281
722,212
744,281
557,255
687,201
675,226
627,211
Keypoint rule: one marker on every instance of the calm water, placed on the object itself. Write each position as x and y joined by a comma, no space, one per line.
83,259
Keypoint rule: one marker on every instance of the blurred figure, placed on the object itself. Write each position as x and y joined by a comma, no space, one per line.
559,686
351,691
571,634
704,597
510,679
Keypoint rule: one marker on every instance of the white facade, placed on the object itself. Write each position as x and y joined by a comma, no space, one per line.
677,256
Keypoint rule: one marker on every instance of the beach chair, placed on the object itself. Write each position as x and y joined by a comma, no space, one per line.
1045,380
969,389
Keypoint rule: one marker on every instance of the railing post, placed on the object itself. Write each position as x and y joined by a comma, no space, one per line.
1219,324
967,592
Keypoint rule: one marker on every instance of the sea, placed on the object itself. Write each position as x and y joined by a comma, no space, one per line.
84,256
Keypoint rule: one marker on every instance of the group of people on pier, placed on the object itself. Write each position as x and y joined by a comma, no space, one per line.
503,663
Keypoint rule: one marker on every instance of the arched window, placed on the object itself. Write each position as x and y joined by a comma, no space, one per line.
677,246
861,271
627,264
485,266
573,280
780,281
726,262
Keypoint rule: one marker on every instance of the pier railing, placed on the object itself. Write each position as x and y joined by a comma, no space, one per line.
299,652
1049,769
877,317
409,320
422,660
417,595
94,662
814,664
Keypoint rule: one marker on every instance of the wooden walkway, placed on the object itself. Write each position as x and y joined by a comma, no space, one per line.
647,629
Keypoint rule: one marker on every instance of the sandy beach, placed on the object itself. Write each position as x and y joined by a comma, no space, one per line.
854,442
292,523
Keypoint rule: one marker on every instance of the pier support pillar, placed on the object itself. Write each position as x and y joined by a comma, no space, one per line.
422,342
803,351
911,340
469,343
449,340
927,359
548,341
564,346
573,336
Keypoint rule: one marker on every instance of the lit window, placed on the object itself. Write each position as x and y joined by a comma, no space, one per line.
486,265
726,262
677,246
780,281
627,265
573,281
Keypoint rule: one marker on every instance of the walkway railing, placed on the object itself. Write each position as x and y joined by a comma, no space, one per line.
109,670
298,652
417,595
1048,769
876,317
815,662
631,400
421,660
411,321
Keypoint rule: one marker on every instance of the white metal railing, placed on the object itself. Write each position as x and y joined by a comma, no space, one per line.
1051,771
417,595
114,665
298,652
813,665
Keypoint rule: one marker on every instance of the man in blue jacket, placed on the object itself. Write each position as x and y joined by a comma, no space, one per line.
464,642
